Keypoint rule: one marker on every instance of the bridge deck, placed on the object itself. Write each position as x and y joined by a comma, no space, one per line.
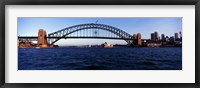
75,37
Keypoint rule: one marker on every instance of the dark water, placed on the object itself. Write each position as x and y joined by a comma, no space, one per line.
100,59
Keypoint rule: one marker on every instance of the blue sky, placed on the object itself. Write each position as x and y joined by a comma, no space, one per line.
145,26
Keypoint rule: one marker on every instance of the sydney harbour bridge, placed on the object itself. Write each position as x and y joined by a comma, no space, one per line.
88,31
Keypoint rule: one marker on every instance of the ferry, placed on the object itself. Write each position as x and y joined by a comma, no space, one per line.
37,47
153,45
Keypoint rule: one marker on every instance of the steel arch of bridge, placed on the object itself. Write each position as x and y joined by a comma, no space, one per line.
90,26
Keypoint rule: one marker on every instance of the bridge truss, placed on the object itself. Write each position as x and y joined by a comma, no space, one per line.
90,30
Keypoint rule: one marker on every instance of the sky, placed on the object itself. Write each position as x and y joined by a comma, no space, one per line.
168,26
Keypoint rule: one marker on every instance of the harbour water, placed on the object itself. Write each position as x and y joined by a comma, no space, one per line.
141,58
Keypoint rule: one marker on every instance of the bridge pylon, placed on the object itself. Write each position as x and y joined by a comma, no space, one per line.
137,40
42,39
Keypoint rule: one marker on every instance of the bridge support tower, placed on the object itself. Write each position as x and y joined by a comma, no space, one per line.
42,39
137,40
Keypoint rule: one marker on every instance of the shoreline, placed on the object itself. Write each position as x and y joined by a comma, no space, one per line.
103,47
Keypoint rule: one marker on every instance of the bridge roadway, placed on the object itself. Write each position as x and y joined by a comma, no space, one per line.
87,37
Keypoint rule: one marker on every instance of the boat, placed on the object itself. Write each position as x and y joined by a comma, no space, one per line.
37,47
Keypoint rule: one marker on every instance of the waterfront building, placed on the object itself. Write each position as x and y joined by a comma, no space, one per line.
26,44
152,36
180,36
153,44
167,38
106,45
163,36
156,36
171,38
176,36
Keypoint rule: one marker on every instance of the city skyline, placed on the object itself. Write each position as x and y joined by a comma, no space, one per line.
145,26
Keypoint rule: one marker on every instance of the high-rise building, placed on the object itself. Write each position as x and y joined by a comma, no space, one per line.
152,36
163,36
156,36
180,36
176,36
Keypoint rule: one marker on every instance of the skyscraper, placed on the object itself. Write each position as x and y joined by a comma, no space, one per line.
176,36
156,36
152,36
163,36
180,36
